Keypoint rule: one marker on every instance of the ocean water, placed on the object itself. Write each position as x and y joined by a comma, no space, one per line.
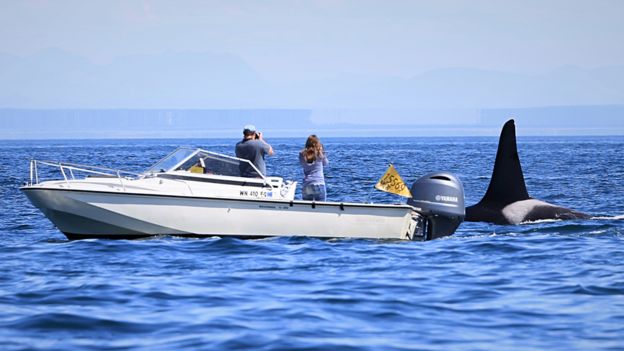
552,285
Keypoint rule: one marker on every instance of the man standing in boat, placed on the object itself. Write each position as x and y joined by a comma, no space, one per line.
253,148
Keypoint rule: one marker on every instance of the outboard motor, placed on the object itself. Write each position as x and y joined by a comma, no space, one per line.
439,196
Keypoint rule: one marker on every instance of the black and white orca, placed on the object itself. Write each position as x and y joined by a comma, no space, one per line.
506,200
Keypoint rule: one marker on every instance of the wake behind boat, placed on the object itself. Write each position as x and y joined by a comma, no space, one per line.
194,192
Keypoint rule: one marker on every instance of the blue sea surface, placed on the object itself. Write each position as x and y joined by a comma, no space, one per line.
551,285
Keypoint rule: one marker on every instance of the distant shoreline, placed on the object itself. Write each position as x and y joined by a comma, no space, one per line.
326,136
599,120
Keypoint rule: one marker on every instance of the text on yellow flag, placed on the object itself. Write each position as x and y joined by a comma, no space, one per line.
391,182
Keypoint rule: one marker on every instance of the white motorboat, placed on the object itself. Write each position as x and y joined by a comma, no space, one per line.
193,192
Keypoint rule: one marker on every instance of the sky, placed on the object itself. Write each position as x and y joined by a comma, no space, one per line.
352,55
301,40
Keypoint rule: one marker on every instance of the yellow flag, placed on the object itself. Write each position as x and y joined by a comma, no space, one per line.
391,182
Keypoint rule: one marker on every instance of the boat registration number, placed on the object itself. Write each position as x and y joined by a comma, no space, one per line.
256,193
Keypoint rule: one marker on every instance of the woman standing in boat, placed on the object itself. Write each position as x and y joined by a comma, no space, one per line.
313,159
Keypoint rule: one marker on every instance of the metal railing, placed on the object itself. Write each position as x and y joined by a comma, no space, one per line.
68,169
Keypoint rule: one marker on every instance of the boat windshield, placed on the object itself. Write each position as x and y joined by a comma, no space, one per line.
215,164
171,160
202,162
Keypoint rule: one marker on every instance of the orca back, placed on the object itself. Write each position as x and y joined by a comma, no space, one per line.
507,187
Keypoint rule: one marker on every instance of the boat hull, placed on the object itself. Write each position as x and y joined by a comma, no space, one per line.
98,214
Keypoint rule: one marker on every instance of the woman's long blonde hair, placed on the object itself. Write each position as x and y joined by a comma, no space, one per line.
313,149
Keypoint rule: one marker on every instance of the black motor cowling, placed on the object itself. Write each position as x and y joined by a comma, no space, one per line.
439,197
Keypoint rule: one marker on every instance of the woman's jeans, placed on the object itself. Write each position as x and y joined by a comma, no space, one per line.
314,192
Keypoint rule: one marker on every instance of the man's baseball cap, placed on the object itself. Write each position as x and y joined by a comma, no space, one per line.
250,128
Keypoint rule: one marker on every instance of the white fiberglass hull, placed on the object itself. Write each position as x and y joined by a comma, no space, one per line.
84,214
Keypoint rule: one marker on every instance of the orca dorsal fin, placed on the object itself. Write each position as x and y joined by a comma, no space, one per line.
507,183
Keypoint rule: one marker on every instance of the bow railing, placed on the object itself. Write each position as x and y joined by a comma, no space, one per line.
69,171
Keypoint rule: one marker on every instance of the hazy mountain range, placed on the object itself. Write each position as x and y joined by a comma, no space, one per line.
57,94
54,78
